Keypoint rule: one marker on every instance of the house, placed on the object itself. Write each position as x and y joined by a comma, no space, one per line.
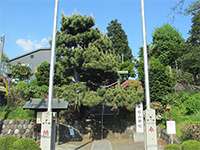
33,59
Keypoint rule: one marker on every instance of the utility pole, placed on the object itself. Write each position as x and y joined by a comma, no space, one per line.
150,119
2,41
48,124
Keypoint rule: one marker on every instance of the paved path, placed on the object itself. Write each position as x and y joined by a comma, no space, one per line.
101,145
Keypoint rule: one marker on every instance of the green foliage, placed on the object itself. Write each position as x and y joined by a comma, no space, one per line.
25,144
168,45
7,142
15,113
37,91
192,104
128,66
184,77
96,58
182,105
190,60
194,7
190,63
119,40
173,147
3,112
20,114
176,99
187,145
91,98
82,48
73,93
195,29
24,91
20,72
190,145
42,73
161,80
120,97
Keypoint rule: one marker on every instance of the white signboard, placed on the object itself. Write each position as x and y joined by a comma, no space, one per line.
171,127
139,118
39,118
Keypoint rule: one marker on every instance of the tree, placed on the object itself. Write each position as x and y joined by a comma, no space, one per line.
82,49
168,45
42,73
161,77
194,38
190,61
194,7
119,40
120,97
20,72
120,44
86,62
161,80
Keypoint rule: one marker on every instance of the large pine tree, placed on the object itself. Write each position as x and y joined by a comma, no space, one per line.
86,65
83,53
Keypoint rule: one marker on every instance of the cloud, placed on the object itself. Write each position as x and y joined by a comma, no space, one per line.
29,45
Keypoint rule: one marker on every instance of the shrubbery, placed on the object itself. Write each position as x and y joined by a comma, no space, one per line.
173,147
12,143
192,104
15,113
190,145
6,143
187,145
25,144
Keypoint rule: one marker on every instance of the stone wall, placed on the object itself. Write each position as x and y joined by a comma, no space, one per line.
21,129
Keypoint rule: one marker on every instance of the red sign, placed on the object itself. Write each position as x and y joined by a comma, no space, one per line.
45,133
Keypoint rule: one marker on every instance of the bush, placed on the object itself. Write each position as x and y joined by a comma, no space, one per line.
192,104
25,144
20,114
191,131
173,147
6,143
190,145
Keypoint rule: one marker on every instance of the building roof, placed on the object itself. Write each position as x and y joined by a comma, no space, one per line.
39,104
29,54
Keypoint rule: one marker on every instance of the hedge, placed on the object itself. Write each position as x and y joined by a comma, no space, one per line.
173,147
6,143
187,145
190,145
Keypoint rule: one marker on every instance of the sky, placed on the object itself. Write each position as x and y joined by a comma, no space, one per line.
27,24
